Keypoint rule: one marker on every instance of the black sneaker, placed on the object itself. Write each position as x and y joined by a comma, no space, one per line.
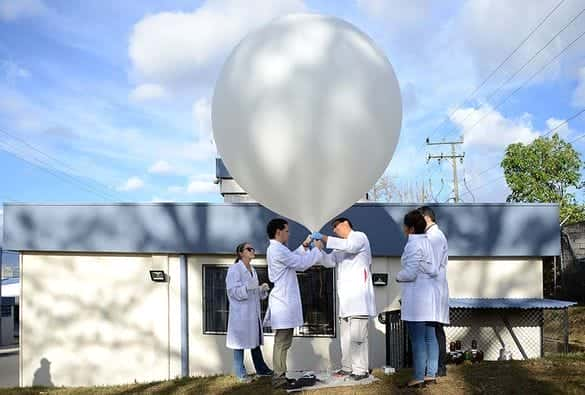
291,384
307,380
358,377
268,373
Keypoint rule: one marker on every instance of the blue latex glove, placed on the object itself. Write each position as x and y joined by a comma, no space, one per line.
312,245
317,236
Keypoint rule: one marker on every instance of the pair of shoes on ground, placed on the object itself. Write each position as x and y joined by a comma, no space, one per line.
286,384
351,376
268,373
421,383
358,377
248,379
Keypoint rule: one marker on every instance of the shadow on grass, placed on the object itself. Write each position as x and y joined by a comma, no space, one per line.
555,375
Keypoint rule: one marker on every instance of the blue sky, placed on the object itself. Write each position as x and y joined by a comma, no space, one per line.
110,101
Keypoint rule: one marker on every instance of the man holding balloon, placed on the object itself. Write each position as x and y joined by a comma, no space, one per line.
353,258
285,311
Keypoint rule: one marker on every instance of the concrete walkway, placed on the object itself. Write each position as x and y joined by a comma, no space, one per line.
8,366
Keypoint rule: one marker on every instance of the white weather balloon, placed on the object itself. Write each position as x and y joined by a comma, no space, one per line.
306,116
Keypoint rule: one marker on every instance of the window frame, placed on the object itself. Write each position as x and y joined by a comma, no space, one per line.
271,332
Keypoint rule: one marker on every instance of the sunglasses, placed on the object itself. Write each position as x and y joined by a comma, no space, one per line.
251,249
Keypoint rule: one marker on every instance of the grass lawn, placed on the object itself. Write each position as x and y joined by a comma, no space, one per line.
552,375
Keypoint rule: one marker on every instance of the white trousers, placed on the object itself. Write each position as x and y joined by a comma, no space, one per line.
354,344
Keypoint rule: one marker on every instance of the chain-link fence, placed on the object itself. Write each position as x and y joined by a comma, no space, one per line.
499,333
517,332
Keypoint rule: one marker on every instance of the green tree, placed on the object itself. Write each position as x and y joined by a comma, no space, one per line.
548,170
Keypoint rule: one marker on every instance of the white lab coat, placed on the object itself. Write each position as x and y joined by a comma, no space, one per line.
285,310
420,294
441,253
244,323
353,258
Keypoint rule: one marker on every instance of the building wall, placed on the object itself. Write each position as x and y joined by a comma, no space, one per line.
467,278
99,319
496,278
96,319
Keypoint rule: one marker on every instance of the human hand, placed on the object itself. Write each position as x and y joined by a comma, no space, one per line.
318,244
307,241
265,287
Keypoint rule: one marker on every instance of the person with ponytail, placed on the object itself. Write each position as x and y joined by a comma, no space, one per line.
419,298
244,321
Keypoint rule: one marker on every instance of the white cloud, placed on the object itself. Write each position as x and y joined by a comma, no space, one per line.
148,92
157,199
176,47
132,184
579,95
488,46
397,14
204,146
176,189
494,130
562,129
197,186
13,70
11,10
160,167
203,184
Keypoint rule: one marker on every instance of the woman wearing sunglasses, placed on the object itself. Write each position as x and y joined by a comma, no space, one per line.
244,323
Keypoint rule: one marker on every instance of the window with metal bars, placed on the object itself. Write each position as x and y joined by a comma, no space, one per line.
317,286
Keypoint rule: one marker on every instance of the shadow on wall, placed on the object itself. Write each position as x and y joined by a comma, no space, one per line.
114,311
42,376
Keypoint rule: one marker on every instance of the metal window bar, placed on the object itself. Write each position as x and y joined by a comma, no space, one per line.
317,287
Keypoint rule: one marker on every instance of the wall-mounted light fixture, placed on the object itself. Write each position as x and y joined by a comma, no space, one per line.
380,279
158,276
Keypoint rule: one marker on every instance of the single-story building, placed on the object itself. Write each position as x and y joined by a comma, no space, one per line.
92,312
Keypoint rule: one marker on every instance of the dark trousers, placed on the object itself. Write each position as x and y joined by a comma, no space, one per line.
442,340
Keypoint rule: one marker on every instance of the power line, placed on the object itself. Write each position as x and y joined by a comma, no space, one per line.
57,160
453,156
566,121
493,72
548,133
62,175
511,77
527,81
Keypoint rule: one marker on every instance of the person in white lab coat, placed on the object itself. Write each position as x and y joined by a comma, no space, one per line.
244,324
285,310
441,251
419,298
353,258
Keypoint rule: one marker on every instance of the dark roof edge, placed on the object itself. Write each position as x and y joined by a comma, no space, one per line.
203,204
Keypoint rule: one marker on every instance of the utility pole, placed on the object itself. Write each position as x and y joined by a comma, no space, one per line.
454,156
